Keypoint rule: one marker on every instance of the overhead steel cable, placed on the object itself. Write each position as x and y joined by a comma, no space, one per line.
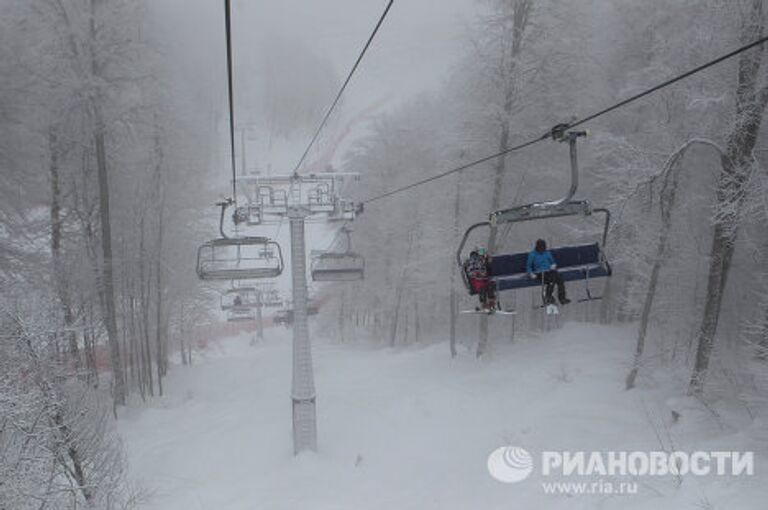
457,169
562,127
230,94
670,81
343,87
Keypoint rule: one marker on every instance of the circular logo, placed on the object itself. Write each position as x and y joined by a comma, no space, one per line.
510,464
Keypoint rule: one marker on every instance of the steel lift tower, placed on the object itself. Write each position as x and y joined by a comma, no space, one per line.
299,198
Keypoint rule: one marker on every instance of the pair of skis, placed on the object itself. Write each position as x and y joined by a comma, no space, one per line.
496,309
489,311
550,309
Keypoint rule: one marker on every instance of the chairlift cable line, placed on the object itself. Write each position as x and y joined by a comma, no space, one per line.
670,81
575,123
343,87
230,94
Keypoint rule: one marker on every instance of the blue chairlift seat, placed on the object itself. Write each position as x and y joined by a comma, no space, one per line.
581,262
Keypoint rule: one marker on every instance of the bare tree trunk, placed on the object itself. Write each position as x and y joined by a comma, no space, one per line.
454,298
125,338
137,346
342,302
396,315
521,13
107,284
667,198
736,169
417,322
89,345
59,273
145,286
762,340
182,339
667,202
399,292
606,309
159,317
406,324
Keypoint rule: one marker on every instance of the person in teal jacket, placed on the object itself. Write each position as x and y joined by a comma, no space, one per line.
541,265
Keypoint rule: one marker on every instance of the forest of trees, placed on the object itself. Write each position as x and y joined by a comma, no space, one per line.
681,171
99,213
108,169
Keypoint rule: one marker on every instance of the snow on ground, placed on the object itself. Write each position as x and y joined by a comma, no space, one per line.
412,429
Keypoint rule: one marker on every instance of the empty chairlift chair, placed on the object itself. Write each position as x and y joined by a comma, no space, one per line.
270,298
285,316
241,315
239,258
338,266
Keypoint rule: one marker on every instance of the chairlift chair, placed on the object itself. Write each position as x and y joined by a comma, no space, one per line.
338,266
249,298
579,262
241,314
285,316
238,258
270,298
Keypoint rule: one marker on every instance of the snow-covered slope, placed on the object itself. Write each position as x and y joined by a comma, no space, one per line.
412,429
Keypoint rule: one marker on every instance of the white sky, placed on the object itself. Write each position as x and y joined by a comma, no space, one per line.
415,46
413,51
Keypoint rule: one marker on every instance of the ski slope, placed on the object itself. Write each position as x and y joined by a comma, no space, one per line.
412,429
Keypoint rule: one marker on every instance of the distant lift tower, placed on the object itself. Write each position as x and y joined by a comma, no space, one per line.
300,198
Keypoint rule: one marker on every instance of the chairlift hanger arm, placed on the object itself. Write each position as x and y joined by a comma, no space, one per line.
564,206
230,93
466,237
607,224
348,235
571,137
223,205
281,262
